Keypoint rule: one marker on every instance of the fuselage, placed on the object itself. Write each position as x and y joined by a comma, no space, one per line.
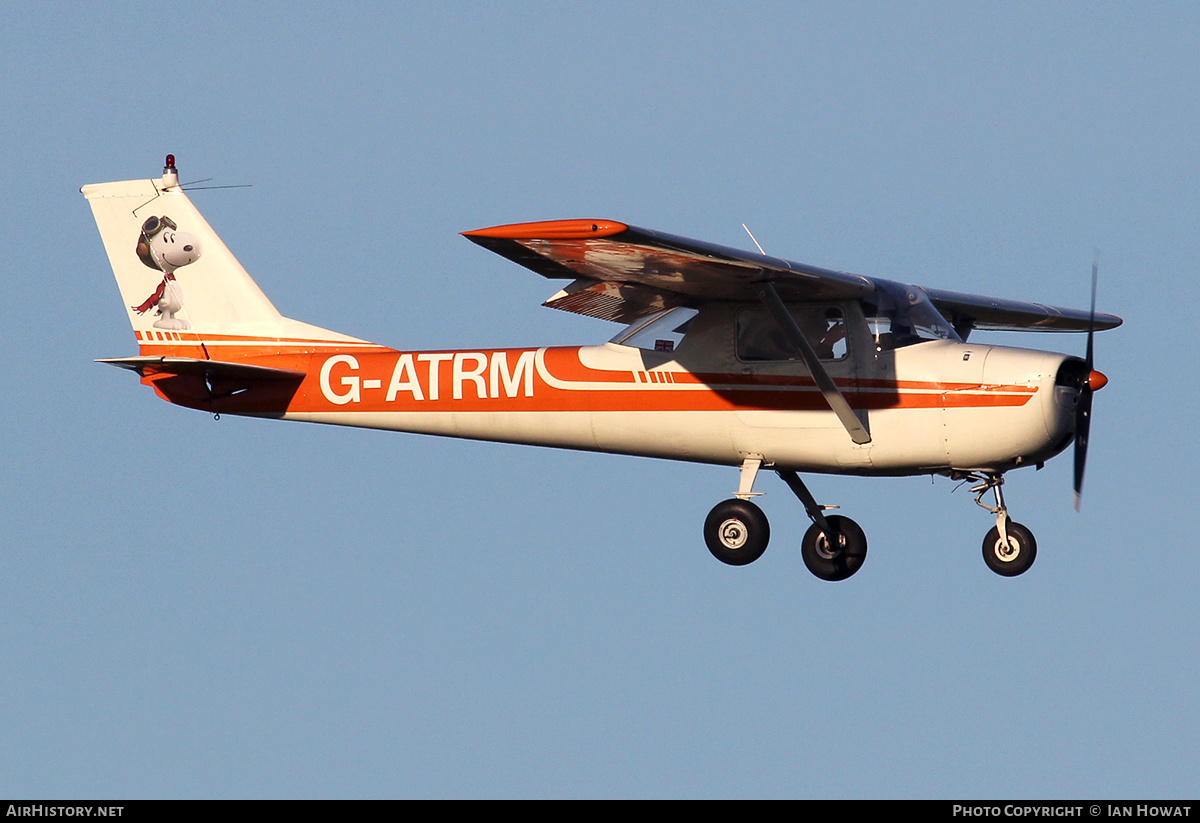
937,405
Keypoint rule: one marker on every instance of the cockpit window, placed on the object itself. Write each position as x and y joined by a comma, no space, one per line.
903,315
759,337
661,332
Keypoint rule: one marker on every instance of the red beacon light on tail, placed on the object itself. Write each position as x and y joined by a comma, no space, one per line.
170,175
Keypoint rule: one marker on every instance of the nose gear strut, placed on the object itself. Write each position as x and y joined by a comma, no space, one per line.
1009,548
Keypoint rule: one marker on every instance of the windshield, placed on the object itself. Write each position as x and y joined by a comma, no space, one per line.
900,315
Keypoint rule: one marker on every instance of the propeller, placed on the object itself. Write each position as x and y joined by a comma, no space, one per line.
1092,382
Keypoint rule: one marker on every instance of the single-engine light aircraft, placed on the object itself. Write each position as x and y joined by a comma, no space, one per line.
727,357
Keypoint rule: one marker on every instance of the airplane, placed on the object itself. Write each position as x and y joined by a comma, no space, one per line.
725,357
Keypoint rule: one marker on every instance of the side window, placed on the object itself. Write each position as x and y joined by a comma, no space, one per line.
759,338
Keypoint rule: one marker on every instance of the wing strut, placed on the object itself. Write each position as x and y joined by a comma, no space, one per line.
854,427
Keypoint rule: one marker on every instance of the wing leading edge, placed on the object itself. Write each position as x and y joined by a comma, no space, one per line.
622,272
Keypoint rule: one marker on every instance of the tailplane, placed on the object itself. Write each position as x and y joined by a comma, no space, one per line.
184,291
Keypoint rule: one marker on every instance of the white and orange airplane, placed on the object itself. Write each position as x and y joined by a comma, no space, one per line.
728,357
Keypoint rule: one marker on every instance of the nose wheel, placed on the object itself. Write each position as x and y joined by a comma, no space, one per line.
1011,554
1009,548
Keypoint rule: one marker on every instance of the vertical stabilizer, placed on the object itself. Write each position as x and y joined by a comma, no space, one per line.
177,279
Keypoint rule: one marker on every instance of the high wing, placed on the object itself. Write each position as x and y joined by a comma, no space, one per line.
622,272
971,311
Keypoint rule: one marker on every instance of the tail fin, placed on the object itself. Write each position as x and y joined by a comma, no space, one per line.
181,286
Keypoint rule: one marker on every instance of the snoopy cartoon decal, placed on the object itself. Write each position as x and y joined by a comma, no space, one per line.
163,247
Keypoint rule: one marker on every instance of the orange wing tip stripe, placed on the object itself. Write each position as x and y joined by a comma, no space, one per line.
552,230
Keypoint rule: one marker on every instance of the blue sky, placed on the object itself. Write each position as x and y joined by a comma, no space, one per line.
239,608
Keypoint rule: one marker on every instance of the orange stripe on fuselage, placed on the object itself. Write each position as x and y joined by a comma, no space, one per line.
370,378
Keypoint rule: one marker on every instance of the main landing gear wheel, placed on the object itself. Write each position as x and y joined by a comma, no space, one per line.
1016,557
736,532
838,558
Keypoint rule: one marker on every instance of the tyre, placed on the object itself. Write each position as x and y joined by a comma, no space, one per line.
1016,557
736,532
834,559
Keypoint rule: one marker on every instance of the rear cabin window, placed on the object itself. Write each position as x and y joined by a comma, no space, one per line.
663,332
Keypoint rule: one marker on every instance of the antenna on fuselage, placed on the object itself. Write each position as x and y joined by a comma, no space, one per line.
752,237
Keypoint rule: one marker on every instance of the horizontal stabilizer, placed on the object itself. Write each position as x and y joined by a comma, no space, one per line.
202,368
216,386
